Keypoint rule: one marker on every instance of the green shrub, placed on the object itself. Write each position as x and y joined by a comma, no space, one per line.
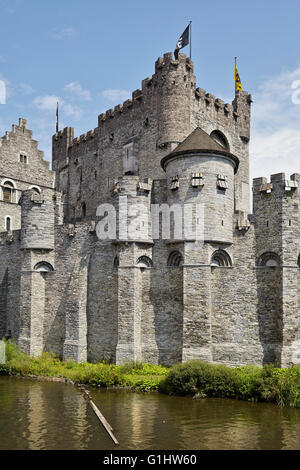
140,368
197,377
251,383
5,369
131,367
287,386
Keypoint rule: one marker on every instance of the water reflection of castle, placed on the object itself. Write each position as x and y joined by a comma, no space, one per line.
55,416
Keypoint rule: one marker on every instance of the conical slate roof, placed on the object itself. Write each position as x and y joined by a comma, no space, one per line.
199,142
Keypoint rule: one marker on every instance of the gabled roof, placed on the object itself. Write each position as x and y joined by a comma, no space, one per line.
199,142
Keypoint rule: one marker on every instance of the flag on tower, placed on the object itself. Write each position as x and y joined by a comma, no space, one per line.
57,118
237,80
183,41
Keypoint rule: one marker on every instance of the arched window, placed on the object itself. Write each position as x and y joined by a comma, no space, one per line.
221,258
116,261
220,139
36,189
43,267
144,262
268,259
7,190
175,259
8,223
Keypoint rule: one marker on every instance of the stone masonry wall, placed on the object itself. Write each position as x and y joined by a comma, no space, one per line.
35,172
159,116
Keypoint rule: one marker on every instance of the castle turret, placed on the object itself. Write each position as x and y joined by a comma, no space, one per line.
37,220
61,141
242,114
200,173
37,266
277,234
176,86
133,259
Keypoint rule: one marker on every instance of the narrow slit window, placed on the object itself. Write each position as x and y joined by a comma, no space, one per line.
175,182
8,224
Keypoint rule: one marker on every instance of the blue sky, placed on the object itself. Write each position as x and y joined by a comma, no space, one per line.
92,54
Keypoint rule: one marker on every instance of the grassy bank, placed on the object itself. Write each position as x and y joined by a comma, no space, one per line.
144,377
195,378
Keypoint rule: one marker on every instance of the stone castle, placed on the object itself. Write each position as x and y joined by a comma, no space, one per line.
233,298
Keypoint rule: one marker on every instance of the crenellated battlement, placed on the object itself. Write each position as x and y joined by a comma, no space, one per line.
149,86
93,273
137,98
211,100
230,110
158,116
278,183
168,61
163,64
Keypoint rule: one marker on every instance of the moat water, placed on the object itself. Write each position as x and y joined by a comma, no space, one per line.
46,415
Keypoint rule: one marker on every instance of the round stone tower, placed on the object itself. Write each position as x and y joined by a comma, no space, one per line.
200,171
132,199
176,85
133,259
37,221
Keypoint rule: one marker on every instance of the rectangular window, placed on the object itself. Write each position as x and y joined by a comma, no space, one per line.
175,182
130,166
197,180
221,182
23,158
7,194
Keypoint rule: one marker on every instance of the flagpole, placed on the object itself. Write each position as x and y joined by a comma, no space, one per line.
190,40
57,117
234,76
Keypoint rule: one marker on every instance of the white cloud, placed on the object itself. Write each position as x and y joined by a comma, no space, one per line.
64,33
115,96
8,90
26,88
75,89
2,92
48,103
275,142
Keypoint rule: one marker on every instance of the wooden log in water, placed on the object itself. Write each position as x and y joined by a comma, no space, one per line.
98,413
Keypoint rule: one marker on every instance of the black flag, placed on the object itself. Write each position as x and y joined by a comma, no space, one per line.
182,41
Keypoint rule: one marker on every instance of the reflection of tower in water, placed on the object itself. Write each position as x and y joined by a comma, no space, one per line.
37,418
56,417
75,409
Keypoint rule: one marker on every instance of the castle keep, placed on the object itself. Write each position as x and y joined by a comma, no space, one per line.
231,298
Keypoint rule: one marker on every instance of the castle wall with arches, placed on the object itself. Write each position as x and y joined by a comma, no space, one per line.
231,297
